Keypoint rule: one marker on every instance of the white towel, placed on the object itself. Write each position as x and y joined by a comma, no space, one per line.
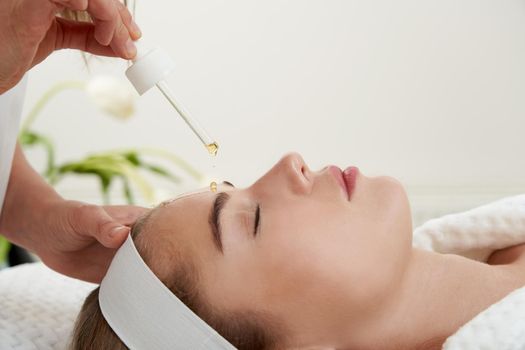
476,234
38,307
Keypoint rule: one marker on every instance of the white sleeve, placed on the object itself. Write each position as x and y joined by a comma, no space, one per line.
11,103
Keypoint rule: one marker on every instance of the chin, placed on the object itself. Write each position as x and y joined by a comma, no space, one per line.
401,214
395,205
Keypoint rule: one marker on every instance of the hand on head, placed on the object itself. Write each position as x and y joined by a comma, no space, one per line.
81,239
30,30
73,238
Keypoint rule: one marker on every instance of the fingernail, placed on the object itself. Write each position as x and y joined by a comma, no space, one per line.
135,29
118,231
131,49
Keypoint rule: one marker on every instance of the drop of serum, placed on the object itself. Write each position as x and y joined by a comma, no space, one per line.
212,148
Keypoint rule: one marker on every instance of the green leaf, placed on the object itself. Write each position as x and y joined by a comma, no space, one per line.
27,138
132,157
122,164
5,246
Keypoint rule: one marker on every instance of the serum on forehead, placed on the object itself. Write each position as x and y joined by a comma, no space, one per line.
212,149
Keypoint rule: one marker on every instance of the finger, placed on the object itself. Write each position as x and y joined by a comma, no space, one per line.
110,27
79,36
93,221
122,43
126,32
106,18
131,26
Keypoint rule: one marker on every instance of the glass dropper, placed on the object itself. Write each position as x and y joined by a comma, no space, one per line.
194,125
151,66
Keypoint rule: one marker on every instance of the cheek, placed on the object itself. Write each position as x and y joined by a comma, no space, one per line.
327,250
295,279
300,257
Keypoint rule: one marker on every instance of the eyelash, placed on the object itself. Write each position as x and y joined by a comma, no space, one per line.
257,219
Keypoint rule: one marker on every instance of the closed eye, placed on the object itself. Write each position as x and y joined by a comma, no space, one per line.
257,220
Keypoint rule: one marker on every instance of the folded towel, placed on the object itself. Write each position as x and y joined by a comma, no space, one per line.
38,307
476,234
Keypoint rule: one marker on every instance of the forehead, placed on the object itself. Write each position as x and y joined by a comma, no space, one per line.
184,213
183,222
181,227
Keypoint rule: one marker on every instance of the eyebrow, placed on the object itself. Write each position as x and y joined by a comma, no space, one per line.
214,219
228,183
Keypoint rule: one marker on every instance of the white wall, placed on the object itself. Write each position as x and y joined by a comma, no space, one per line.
430,92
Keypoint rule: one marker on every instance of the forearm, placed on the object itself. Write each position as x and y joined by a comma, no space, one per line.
26,204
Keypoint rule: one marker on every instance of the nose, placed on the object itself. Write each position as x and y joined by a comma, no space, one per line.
290,174
293,169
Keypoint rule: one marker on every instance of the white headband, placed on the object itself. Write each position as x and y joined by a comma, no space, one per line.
145,314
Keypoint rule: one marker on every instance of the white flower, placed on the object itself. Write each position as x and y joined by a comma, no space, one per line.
112,95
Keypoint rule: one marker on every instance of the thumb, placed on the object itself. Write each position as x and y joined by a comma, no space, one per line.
93,221
79,36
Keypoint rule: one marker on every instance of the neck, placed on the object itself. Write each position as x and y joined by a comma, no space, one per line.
439,294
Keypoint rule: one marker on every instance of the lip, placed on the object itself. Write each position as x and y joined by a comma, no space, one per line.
346,178
350,178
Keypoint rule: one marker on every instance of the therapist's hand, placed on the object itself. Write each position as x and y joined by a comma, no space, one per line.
79,240
30,30
71,237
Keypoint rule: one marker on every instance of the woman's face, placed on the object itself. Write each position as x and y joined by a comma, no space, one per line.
318,254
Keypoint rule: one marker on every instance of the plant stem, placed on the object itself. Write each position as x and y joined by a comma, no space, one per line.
48,95
175,159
